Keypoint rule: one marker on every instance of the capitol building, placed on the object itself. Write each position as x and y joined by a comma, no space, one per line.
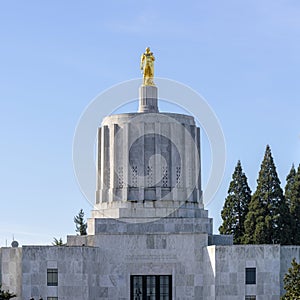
149,235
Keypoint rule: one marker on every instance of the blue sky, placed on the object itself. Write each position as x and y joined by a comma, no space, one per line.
241,56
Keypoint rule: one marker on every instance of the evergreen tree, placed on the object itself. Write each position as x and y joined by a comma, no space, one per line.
289,194
58,242
236,205
294,198
289,187
81,225
268,219
6,294
291,282
255,227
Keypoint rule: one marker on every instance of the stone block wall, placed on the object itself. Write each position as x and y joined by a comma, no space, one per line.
77,272
179,255
103,272
11,270
229,263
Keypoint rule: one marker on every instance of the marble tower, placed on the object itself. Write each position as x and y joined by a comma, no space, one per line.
149,235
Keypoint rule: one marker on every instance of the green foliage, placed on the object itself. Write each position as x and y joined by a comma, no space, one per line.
81,225
58,242
289,187
236,205
268,219
255,227
292,282
292,192
6,294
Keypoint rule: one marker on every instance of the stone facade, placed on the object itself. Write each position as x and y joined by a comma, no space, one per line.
102,271
148,226
142,156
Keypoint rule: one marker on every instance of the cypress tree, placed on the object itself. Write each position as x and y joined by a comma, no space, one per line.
267,221
289,187
292,282
236,205
81,225
294,198
255,227
289,194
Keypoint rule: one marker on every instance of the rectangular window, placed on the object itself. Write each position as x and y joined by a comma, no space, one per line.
52,277
250,276
52,298
250,297
137,287
151,287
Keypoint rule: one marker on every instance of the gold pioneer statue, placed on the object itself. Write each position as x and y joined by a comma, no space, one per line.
147,67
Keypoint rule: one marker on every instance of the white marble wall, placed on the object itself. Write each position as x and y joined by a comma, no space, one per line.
77,272
229,263
11,270
148,156
102,271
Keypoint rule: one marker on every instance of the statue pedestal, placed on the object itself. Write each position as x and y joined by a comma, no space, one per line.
148,99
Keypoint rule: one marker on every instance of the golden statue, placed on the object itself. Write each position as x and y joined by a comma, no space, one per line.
147,67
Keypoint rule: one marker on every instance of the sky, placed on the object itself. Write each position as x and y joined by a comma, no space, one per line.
56,56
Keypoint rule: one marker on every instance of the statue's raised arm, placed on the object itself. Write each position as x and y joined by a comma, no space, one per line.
147,67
